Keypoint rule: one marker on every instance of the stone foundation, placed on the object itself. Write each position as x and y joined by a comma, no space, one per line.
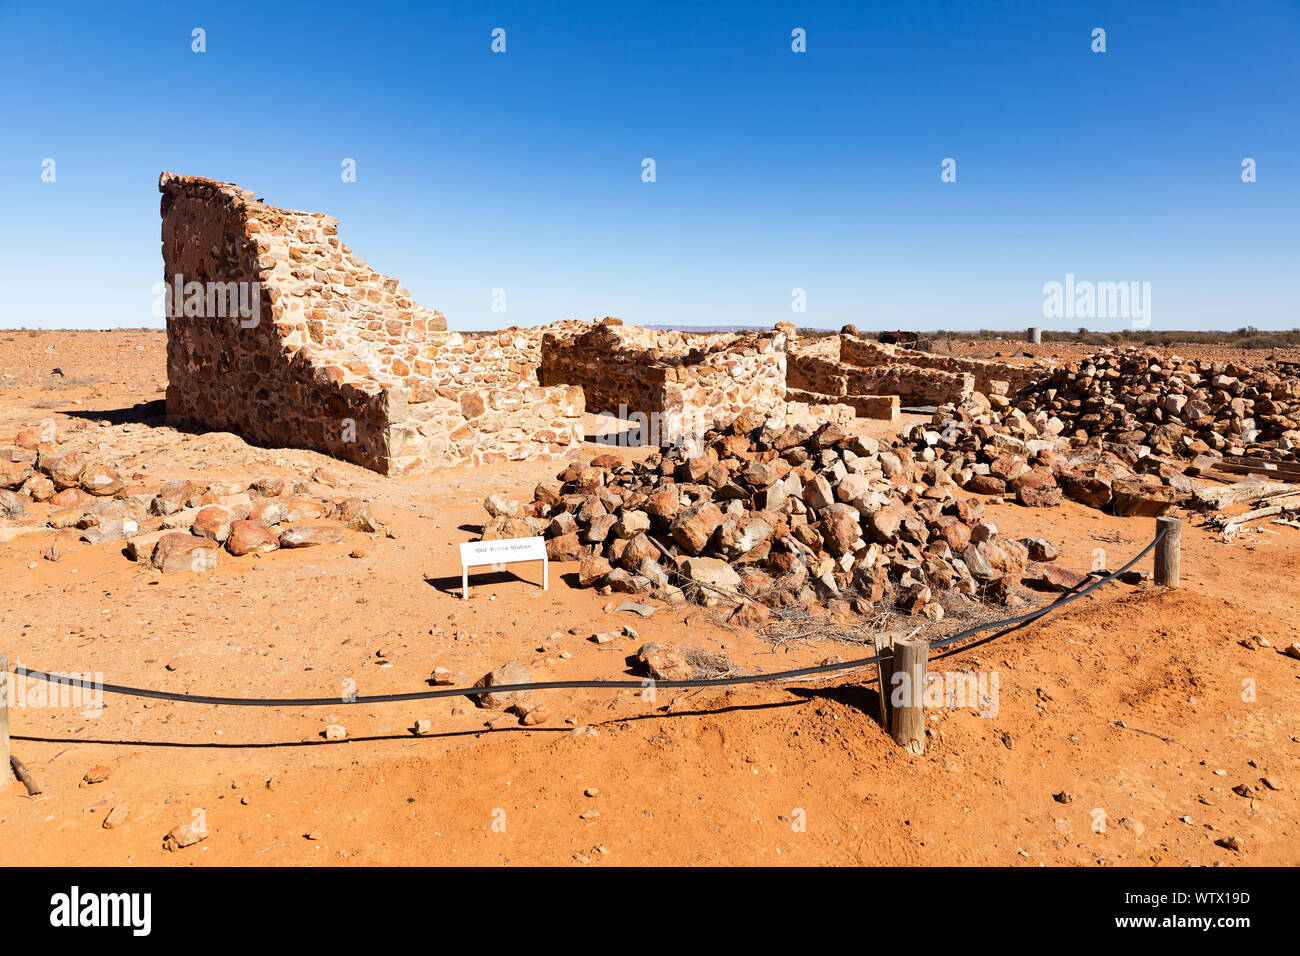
884,407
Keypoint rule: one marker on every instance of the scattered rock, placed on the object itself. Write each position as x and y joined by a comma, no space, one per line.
101,480
249,537
310,535
1134,826
500,506
1056,578
12,504
1040,549
664,662
183,836
750,614
644,610
184,552
117,816
533,714
268,486
357,515
109,530
511,672
718,581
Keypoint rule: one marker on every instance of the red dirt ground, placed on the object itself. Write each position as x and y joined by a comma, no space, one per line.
1134,700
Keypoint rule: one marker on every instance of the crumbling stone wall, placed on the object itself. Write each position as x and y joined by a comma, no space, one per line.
815,372
496,359
684,382
338,357
864,352
611,370
912,385
861,377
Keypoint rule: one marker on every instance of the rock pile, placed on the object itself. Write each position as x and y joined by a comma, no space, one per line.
173,525
1022,457
1174,407
771,515
1114,431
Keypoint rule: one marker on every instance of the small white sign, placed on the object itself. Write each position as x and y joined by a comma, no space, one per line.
475,554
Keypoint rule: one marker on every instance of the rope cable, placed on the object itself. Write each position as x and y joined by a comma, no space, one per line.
580,684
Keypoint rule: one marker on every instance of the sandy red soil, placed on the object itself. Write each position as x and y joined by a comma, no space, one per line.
1140,702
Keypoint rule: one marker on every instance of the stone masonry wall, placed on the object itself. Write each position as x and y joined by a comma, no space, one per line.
747,374
817,369
856,350
912,385
838,368
685,381
611,371
338,357
495,359
812,372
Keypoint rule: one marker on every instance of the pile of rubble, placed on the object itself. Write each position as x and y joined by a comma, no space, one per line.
1022,456
1174,407
771,515
1114,431
173,525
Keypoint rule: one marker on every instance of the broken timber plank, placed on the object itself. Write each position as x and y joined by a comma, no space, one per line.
1247,489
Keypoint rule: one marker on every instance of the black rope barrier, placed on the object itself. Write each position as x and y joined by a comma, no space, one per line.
582,684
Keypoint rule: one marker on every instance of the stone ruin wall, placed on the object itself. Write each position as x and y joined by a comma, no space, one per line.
339,358
912,385
342,360
685,382
864,352
511,357
819,370
814,369
745,375
612,370
256,380
852,368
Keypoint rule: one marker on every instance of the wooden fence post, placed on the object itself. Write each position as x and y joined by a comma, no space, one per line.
908,718
5,687
884,674
1168,551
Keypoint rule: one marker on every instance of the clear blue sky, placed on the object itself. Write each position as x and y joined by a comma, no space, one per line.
775,170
